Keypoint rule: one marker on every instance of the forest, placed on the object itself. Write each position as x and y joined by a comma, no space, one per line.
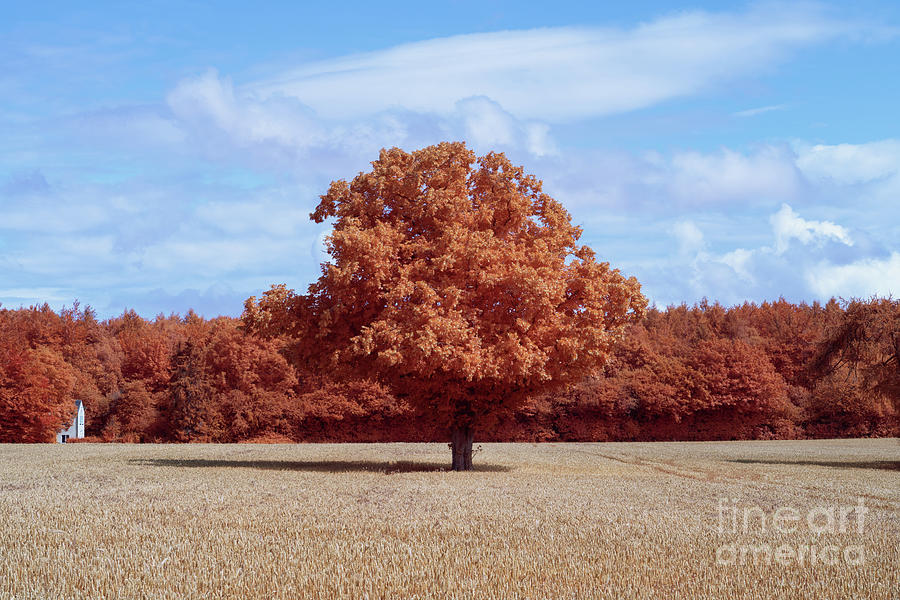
775,370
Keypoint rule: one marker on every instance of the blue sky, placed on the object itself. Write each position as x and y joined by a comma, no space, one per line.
166,156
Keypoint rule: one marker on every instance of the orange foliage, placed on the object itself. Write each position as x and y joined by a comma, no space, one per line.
701,372
858,368
227,386
132,412
866,342
456,282
146,349
457,300
35,395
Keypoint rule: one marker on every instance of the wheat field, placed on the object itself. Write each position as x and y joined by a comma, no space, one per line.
660,520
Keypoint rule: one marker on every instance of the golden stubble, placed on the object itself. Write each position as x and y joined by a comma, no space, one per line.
388,521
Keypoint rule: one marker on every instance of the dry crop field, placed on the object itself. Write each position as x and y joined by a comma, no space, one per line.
387,521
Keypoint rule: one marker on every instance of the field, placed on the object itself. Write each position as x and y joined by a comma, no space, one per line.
388,521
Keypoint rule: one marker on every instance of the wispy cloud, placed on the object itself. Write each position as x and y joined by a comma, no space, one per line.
557,74
200,196
752,112
504,90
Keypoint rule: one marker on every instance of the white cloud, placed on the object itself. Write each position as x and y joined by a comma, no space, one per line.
208,106
863,278
676,183
848,164
788,225
807,260
501,91
557,74
689,236
487,125
752,112
740,262
765,175
283,134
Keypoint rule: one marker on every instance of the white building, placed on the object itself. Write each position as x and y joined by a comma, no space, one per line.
76,430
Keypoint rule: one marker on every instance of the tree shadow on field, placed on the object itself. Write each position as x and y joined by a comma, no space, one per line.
313,466
886,465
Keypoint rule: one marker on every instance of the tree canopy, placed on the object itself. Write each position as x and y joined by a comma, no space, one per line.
705,372
458,283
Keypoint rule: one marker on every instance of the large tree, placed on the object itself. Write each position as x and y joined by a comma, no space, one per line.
456,282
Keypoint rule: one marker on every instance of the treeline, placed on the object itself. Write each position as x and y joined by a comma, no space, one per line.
771,371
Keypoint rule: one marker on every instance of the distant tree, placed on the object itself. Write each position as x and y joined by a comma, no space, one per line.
866,341
132,413
738,378
456,282
36,398
858,362
147,349
192,411
253,383
228,386
326,405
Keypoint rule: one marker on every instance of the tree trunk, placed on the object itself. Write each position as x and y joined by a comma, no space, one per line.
461,445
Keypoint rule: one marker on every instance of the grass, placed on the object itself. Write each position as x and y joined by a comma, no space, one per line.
388,521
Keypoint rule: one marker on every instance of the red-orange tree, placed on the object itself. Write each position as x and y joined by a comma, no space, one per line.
456,282
35,394
858,364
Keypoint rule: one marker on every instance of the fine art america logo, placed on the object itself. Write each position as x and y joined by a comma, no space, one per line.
786,535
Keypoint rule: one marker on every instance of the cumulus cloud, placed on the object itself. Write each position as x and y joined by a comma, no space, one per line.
862,278
208,109
487,125
740,261
285,133
557,74
848,164
799,263
689,236
676,183
788,225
